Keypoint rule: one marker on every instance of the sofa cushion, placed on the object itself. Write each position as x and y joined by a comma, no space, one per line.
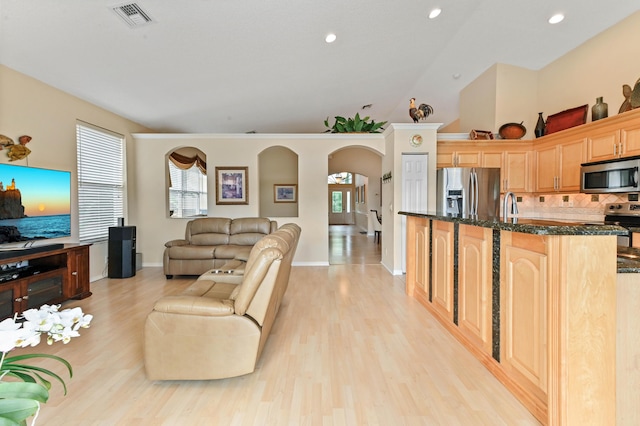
211,231
191,252
248,225
231,251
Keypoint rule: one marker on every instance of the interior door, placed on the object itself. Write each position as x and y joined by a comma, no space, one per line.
340,205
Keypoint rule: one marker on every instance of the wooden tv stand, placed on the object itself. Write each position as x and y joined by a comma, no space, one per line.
51,274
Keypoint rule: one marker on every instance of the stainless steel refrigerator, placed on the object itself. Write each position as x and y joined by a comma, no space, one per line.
468,192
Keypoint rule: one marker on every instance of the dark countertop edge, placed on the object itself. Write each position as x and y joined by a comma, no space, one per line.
530,226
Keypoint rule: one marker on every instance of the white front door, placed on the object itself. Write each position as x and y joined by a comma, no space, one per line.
340,205
414,192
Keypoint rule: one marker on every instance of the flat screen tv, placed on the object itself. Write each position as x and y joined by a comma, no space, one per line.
35,204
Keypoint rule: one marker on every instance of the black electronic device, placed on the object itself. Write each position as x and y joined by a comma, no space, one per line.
122,251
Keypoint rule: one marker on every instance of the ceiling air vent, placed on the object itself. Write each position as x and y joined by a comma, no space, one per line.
132,14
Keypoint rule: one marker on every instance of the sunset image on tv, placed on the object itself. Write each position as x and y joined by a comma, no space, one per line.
34,203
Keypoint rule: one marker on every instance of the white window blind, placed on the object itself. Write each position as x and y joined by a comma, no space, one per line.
100,181
188,191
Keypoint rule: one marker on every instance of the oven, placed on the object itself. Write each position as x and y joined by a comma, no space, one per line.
626,215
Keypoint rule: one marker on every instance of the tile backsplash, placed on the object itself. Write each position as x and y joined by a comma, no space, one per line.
571,207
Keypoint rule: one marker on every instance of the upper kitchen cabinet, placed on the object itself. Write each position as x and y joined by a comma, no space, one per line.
514,161
513,158
458,154
558,165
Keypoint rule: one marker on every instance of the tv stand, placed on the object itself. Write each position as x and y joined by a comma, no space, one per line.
34,276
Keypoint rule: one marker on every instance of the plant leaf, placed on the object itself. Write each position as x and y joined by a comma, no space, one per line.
22,390
16,411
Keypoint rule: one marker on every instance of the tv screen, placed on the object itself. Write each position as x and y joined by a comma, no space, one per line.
35,203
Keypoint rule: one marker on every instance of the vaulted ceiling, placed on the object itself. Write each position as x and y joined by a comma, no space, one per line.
228,66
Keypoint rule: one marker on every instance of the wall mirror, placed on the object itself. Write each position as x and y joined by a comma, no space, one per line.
187,183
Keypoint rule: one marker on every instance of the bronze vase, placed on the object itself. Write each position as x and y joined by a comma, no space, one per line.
540,126
599,110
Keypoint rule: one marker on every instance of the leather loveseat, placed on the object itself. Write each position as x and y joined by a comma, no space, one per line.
216,330
212,243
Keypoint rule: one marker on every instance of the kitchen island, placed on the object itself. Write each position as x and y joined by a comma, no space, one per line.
533,300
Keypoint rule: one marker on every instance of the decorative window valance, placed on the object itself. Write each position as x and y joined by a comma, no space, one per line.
183,162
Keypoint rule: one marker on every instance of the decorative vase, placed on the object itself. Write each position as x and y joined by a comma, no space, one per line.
540,126
599,110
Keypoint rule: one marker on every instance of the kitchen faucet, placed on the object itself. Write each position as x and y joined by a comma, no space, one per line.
505,206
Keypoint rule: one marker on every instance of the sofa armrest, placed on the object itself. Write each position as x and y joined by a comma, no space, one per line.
190,305
174,243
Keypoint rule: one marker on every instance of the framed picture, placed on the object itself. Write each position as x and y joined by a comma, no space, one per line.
285,193
232,185
363,194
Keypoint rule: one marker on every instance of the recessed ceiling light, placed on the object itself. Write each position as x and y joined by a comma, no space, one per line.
330,38
558,17
434,13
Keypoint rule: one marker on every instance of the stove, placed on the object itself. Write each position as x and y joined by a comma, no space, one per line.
626,215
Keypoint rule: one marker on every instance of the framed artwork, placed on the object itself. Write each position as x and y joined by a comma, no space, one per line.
363,196
285,193
232,185
357,195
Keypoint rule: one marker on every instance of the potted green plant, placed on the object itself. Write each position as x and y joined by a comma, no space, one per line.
354,125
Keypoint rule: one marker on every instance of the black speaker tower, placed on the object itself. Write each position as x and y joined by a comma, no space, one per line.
122,251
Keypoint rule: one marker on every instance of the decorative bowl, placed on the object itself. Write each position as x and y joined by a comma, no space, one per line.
512,131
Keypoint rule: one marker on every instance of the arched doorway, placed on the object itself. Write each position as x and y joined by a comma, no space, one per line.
353,190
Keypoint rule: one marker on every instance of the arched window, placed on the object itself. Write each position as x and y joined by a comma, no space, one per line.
187,183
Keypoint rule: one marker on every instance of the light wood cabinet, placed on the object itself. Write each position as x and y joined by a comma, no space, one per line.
524,293
450,156
553,331
512,158
417,279
475,285
558,166
604,146
515,170
442,272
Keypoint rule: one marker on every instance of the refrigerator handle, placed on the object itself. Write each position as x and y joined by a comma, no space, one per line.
472,192
476,193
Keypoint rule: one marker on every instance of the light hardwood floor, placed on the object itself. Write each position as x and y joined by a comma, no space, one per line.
348,348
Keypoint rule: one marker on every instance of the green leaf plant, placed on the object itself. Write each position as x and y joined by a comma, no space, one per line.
354,125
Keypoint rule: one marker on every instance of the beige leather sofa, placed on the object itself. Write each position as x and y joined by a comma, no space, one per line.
212,242
215,330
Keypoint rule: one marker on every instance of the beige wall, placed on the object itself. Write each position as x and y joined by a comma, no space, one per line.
240,150
48,115
598,67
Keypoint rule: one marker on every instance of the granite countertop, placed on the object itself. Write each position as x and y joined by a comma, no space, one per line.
531,225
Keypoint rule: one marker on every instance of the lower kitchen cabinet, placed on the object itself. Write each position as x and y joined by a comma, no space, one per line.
418,257
537,309
523,311
442,268
475,285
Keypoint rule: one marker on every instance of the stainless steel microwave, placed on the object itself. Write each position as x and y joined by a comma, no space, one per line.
618,175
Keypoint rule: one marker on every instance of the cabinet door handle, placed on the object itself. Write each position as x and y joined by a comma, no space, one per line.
74,273
19,299
25,297
620,149
615,149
